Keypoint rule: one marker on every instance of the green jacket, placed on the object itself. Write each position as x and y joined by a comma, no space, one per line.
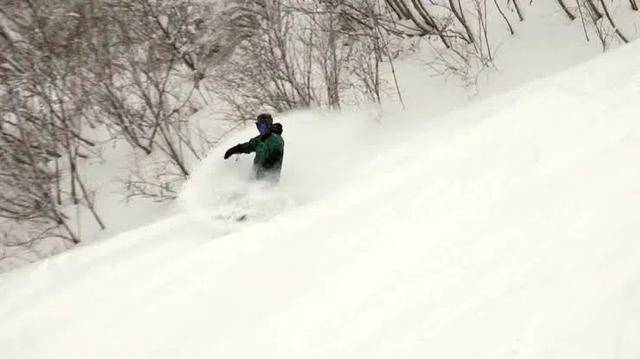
269,151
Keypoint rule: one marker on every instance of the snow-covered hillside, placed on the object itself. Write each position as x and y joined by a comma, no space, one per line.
506,229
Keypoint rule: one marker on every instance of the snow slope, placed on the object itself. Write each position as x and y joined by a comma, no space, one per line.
506,229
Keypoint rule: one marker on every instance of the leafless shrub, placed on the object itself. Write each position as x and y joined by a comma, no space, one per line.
596,18
305,53
457,34
69,69
43,119
146,91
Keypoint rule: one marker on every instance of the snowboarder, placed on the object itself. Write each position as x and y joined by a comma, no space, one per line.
268,146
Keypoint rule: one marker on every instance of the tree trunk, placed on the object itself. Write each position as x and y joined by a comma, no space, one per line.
594,9
518,11
566,10
618,32
459,14
430,21
504,17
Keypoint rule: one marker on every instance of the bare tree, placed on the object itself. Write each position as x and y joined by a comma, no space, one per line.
43,115
158,54
71,67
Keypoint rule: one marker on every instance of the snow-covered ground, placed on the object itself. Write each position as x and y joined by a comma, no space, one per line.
505,229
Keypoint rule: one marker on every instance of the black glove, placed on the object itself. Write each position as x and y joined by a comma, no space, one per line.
232,151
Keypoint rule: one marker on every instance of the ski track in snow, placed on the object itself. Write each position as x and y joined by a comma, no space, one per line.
506,229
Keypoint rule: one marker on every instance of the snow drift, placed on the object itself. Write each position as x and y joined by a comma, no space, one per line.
507,229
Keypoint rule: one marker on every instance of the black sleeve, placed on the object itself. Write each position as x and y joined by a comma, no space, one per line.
246,147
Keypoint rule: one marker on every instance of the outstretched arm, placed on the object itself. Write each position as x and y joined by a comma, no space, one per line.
246,147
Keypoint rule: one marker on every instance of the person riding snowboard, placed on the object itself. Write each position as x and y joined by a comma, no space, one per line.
268,146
